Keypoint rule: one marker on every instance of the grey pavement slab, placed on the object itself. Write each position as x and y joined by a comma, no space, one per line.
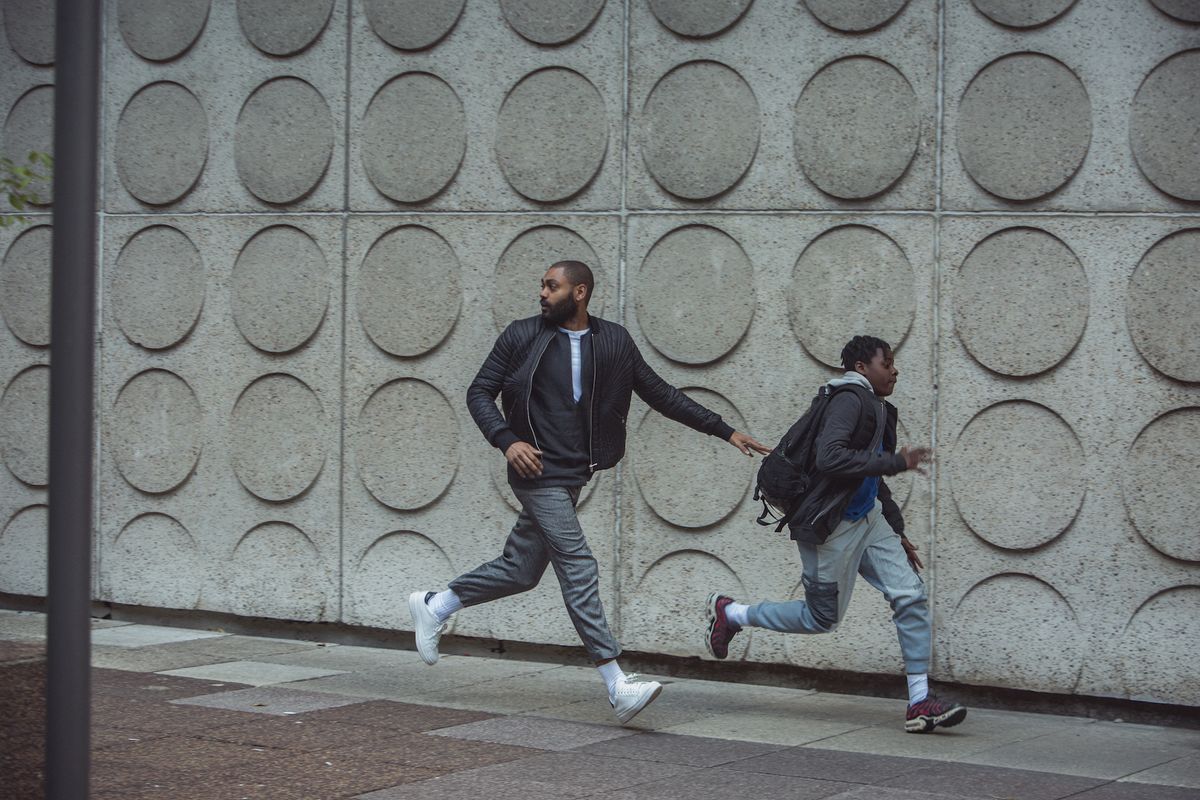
411,681
1184,772
515,694
347,658
145,635
1137,791
977,780
716,784
277,700
194,652
597,710
22,625
885,793
544,734
467,786
252,673
829,765
576,774
694,751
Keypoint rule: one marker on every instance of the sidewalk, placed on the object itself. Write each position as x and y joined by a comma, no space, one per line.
194,714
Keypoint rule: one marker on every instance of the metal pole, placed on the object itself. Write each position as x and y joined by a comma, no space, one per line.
72,315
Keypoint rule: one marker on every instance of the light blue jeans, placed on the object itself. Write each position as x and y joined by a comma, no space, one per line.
866,547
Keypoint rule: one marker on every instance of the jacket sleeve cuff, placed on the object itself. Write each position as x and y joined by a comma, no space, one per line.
723,430
899,464
505,439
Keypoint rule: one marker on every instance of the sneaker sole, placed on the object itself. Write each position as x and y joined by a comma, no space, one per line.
710,614
633,712
925,724
415,601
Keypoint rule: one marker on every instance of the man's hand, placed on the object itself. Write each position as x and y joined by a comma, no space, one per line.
916,457
910,550
525,459
744,443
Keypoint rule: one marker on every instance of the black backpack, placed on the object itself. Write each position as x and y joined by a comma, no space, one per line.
786,474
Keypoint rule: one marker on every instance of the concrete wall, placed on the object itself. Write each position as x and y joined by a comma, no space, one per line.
317,215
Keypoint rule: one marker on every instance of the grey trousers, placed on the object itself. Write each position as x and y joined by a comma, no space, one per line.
547,532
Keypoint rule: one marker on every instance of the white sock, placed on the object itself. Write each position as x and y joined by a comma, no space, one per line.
736,614
611,673
444,604
918,688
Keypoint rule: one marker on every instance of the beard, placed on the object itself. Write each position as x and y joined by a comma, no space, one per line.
560,312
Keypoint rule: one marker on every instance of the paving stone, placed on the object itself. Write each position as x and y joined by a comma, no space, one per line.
544,734
435,752
22,625
764,727
972,779
397,717
104,737
193,652
525,692
694,751
159,717
21,764
252,673
577,774
320,775
663,713
832,765
410,682
712,784
1183,772
346,658
469,786
22,703
300,733
1138,791
151,686
269,700
20,650
146,635
1099,754
884,793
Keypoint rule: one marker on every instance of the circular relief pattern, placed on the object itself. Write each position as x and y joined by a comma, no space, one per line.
280,289
1160,483
277,437
399,558
1165,117
1158,649
25,426
855,16
857,127
29,128
850,280
658,600
23,555
414,269
414,137
1018,449
159,30
499,473
1022,301
156,431
283,27
413,24
551,22
551,134
161,143
397,417
700,130
156,562
996,649
1164,305
30,28
1183,10
299,580
682,294
158,287
1025,124
283,140
525,261
699,18
25,286
667,455
1022,13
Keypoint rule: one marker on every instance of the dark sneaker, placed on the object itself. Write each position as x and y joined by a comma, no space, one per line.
926,715
720,631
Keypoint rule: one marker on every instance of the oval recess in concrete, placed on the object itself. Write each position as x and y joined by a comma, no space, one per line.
551,134
1159,483
158,287
661,597
1018,449
1158,647
414,137
279,289
1182,10
413,24
277,433
1022,13
1163,309
850,279
160,30
1021,301
399,558
855,16
25,286
414,269
283,140
161,143
666,455
283,27
700,129
30,127
156,431
299,577
525,261
694,294
398,414
1024,126
857,127
23,552
25,425
699,18
30,28
499,473
551,22
155,561
1163,122
993,649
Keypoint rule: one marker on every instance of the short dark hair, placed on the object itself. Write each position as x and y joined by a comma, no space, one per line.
577,273
862,348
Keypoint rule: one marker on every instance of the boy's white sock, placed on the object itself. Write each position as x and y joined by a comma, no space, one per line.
611,673
918,688
444,604
736,613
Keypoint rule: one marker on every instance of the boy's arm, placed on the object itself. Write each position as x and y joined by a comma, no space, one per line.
891,510
835,457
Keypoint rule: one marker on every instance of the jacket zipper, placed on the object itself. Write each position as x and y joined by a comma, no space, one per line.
529,392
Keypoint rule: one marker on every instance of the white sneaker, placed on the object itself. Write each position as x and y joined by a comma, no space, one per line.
425,627
630,696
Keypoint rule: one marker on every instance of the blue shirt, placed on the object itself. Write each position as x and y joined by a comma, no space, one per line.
864,499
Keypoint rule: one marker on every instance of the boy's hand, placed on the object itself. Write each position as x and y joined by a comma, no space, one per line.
910,550
916,457
746,444
525,459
